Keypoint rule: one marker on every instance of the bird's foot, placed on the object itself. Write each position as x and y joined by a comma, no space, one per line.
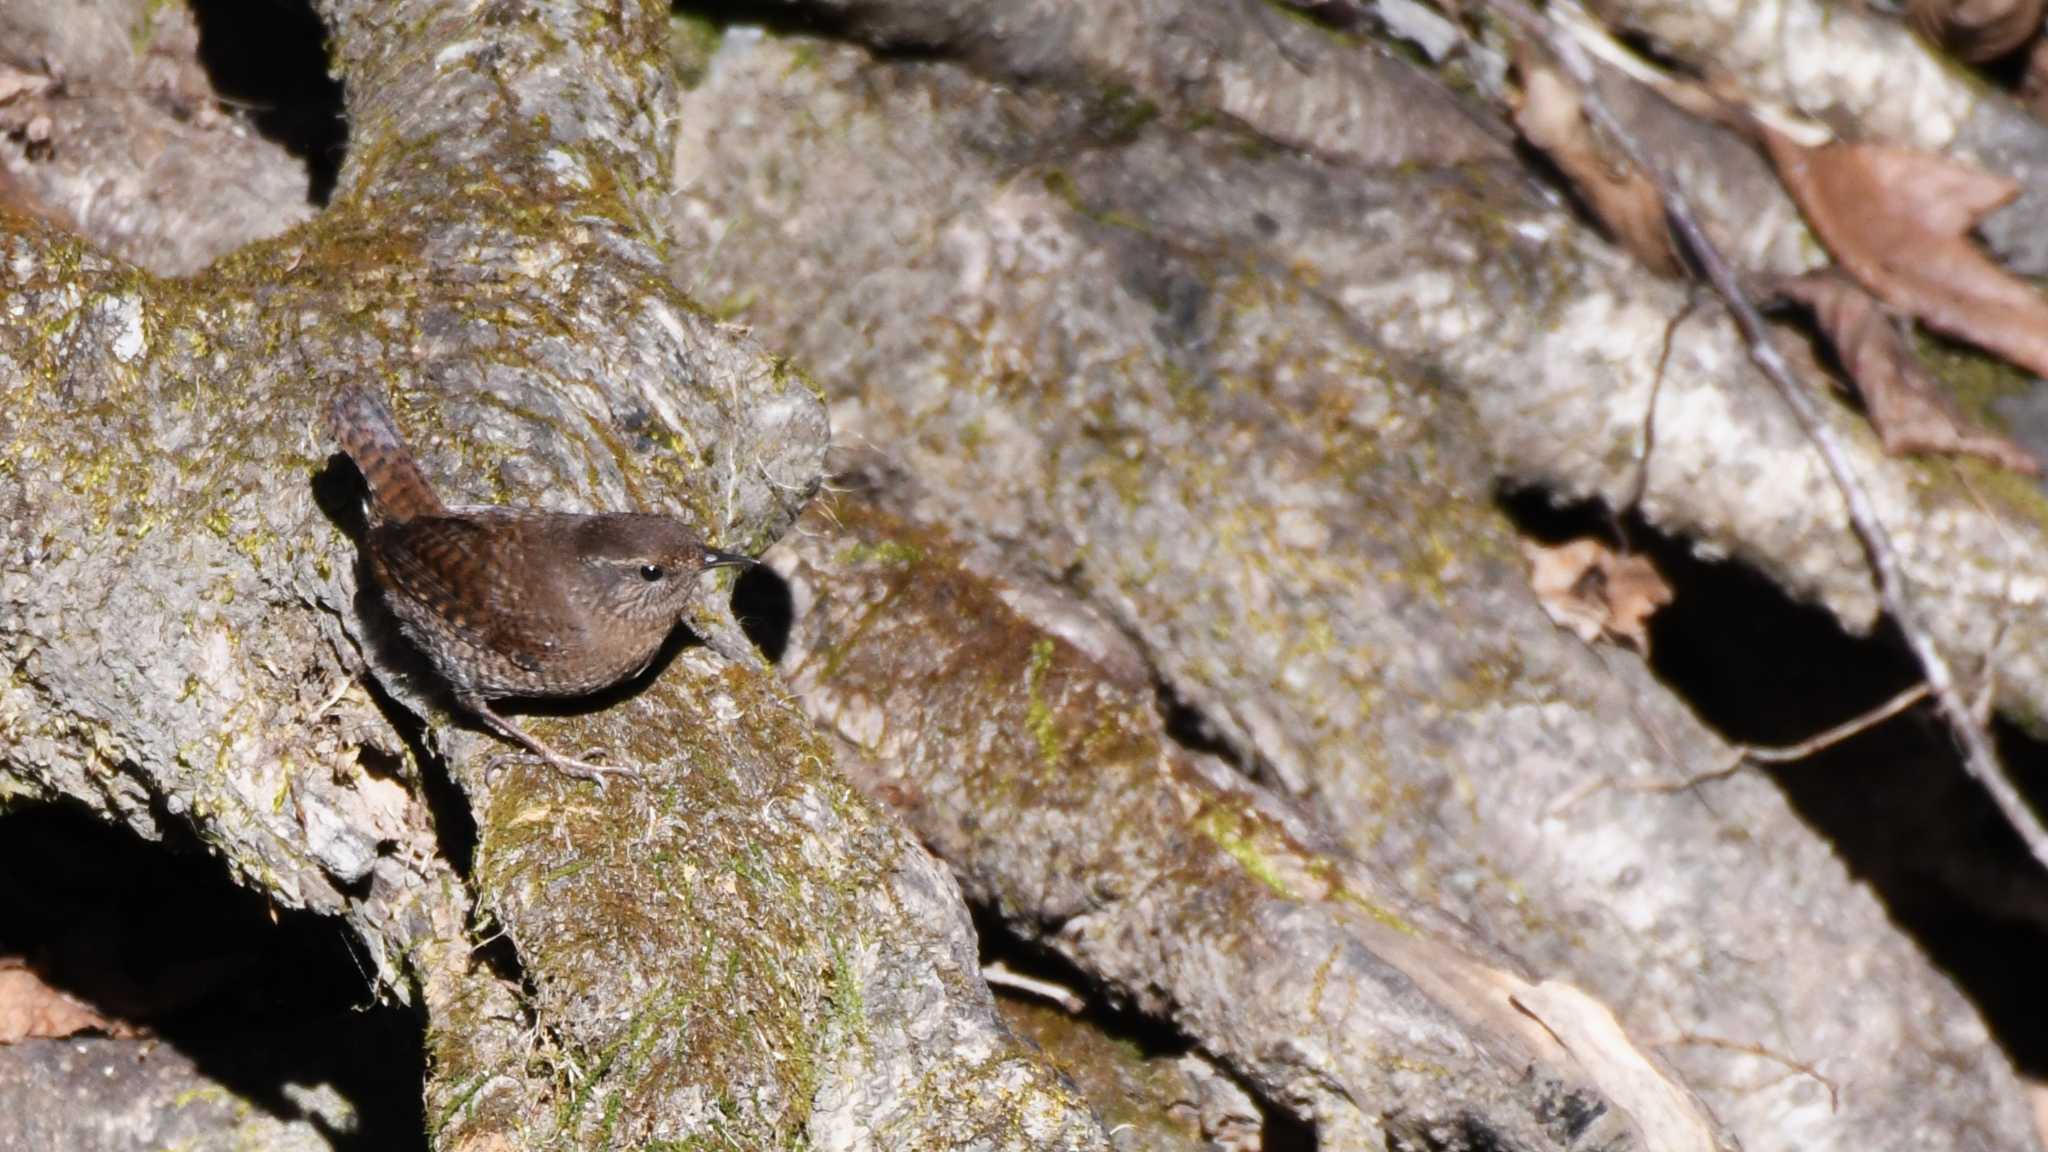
594,772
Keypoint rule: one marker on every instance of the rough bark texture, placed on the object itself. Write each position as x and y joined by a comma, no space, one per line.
1287,81
101,1095
1151,1101
1159,873
1186,344
1189,378
123,141
741,953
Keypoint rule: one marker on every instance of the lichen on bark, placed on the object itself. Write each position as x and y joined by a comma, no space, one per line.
692,953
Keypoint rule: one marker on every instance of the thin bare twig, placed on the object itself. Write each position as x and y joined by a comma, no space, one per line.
1763,1053
1753,754
1980,758
1987,691
1640,482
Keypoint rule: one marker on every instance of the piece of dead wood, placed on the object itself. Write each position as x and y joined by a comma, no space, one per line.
1976,31
1716,99
1596,593
1670,1117
1898,220
31,1009
1566,1024
1907,405
1548,114
1001,975
2037,1100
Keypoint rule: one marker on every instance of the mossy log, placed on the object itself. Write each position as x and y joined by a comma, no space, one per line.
740,954
1187,346
1022,754
1252,406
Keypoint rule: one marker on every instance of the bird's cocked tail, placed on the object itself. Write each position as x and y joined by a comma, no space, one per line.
366,431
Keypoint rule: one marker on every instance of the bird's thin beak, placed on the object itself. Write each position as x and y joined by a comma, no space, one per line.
713,558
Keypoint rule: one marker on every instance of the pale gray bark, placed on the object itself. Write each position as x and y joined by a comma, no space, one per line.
114,131
1181,381
91,1094
1351,100
1249,405
1161,875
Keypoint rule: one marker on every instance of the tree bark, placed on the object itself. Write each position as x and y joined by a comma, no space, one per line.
1251,406
1176,353
91,1094
742,952
1163,876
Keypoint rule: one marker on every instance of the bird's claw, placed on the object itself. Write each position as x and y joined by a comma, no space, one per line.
596,773
568,766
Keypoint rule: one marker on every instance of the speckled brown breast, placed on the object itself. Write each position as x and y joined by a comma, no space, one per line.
487,594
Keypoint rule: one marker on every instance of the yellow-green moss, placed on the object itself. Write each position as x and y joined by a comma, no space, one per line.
1120,113
879,552
1380,913
844,1003
1038,716
1975,378
1225,827
1134,1093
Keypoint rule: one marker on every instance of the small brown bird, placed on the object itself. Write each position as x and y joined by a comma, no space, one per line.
518,601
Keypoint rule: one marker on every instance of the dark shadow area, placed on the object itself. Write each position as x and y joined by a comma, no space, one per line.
1192,729
1148,1037
762,603
258,997
826,22
1894,800
269,59
780,19
1286,1132
454,823
339,492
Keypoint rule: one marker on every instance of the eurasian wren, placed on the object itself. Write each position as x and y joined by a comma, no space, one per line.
518,601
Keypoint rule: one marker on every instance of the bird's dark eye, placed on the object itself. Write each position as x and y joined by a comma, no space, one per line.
652,572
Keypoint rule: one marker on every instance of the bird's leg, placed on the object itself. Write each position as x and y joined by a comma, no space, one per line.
568,766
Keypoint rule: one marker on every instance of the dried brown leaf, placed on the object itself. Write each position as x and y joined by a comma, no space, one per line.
1906,403
1586,587
31,1009
1976,30
1549,116
1898,220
